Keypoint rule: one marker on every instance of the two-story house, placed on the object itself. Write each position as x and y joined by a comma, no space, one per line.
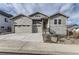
5,23
57,24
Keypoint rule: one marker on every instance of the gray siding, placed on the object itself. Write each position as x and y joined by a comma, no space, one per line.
3,23
38,16
23,21
59,29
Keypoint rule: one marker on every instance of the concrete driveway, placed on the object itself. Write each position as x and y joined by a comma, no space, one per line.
34,37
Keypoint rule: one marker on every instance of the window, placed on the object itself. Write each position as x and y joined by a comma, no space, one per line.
8,29
59,22
55,21
2,26
6,20
37,21
37,16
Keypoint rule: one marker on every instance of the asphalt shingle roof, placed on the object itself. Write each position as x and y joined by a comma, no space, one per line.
5,14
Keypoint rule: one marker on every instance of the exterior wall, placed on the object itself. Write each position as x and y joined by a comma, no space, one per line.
22,25
3,23
59,29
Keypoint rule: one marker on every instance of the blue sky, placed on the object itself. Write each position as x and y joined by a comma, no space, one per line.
71,10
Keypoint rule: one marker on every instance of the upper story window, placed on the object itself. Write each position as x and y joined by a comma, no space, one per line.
37,16
59,22
37,21
6,20
55,21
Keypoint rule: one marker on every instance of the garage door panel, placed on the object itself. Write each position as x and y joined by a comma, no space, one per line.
23,29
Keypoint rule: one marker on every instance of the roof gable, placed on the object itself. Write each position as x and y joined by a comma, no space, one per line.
58,14
22,20
19,16
37,13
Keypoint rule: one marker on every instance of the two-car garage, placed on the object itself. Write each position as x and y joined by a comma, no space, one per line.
23,28
22,24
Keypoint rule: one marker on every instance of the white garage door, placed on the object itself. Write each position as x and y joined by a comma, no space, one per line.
23,29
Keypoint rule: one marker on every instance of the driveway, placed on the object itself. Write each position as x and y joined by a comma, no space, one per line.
34,37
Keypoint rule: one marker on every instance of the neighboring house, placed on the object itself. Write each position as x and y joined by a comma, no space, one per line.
38,22
21,24
71,27
5,23
57,24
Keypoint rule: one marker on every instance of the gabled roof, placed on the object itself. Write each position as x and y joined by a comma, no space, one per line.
59,14
5,14
19,15
37,13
